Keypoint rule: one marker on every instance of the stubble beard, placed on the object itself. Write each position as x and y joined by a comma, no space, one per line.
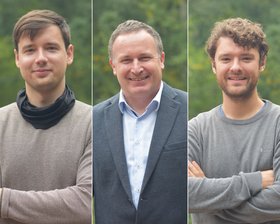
240,95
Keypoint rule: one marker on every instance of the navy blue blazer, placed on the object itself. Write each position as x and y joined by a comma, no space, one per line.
163,198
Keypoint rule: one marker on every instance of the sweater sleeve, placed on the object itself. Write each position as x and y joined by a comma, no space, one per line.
263,207
216,194
71,205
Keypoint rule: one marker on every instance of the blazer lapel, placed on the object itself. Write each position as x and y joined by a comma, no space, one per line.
114,130
167,114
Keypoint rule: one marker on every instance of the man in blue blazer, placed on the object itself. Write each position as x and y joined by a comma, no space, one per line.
140,137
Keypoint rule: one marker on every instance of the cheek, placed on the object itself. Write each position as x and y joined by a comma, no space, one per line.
26,63
221,69
121,71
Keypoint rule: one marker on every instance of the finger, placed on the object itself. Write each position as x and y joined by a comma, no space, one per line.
190,174
197,167
194,171
191,168
197,170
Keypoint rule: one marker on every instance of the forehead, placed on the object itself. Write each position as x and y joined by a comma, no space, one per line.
226,45
51,32
134,38
134,42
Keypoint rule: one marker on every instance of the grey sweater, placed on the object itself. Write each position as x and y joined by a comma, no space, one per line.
46,174
231,153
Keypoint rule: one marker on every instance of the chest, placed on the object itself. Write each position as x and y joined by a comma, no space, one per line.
38,159
228,150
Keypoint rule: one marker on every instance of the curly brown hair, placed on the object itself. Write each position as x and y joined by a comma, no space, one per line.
243,32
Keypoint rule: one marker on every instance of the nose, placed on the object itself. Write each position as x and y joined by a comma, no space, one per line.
136,67
41,57
235,66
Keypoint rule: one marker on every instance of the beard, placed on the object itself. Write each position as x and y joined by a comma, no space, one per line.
243,93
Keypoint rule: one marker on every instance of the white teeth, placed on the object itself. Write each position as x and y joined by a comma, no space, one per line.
138,79
237,78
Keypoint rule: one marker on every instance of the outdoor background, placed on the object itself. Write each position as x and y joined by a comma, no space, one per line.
204,93
168,17
77,14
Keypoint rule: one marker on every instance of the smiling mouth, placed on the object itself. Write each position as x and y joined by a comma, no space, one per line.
139,78
237,78
41,70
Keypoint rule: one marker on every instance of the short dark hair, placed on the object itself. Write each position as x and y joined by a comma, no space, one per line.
243,32
130,26
34,21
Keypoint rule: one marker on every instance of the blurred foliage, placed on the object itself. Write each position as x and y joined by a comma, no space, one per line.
168,17
203,89
77,14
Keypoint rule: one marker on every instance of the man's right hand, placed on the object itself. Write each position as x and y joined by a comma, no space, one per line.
267,178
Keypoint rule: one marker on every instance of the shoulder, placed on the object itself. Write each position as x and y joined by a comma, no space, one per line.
82,108
271,112
9,110
9,107
10,115
272,107
80,113
178,94
106,103
205,118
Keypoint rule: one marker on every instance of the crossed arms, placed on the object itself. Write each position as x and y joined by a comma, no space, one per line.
244,198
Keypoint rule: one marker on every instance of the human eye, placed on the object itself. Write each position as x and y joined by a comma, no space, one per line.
52,48
28,50
145,58
126,60
247,58
225,59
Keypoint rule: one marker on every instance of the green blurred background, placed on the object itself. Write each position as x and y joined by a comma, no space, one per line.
77,14
168,17
204,93
203,89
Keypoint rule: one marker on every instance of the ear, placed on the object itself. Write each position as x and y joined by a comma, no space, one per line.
70,54
16,58
213,64
262,64
162,59
113,66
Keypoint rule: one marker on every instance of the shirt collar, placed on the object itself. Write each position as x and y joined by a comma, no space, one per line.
153,105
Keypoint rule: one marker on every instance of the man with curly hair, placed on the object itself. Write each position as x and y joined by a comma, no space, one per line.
234,149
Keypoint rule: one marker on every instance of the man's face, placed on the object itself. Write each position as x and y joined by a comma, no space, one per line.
137,64
237,69
43,60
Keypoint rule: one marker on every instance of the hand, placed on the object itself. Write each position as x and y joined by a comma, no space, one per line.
267,178
194,170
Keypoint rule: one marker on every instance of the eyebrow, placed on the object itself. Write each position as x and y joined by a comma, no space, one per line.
243,54
47,44
141,55
27,46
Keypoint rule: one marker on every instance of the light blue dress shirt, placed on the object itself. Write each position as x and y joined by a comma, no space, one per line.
138,132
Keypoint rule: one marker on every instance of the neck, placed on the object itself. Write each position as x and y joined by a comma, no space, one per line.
43,98
241,109
138,104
